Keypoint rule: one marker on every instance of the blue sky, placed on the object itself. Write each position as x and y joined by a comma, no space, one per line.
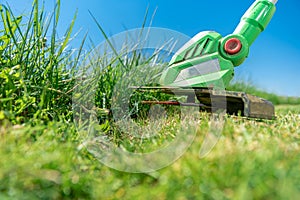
274,60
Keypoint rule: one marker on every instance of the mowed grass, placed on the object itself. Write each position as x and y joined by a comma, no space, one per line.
253,159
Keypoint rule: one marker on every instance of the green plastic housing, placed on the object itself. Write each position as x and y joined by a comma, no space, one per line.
204,60
255,20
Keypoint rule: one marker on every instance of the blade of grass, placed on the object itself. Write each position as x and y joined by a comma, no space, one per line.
36,18
107,39
80,51
12,26
68,34
145,17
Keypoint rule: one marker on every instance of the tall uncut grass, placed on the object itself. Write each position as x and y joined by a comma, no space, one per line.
36,66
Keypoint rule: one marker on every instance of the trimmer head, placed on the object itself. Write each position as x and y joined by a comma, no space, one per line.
205,65
208,59
199,64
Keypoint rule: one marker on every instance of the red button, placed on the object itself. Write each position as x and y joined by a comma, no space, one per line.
233,46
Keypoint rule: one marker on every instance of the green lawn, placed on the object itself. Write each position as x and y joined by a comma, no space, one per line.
252,160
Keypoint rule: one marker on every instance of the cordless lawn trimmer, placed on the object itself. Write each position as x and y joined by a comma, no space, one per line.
207,63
